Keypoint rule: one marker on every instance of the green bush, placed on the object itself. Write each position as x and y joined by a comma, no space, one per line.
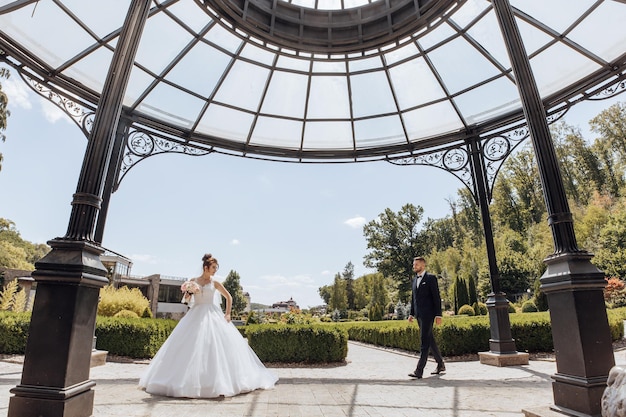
529,307
127,314
512,308
14,332
480,309
113,300
466,310
134,337
298,343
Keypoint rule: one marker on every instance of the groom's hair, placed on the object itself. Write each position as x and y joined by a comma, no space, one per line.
419,258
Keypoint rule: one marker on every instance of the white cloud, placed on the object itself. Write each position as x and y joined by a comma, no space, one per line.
234,242
17,93
355,222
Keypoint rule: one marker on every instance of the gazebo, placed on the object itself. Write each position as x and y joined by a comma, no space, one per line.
455,84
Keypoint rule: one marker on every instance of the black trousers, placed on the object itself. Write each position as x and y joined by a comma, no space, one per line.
428,343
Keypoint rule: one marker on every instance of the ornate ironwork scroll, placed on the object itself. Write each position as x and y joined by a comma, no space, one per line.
140,144
82,115
455,160
612,90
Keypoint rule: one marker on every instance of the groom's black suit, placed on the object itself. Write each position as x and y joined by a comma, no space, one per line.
425,306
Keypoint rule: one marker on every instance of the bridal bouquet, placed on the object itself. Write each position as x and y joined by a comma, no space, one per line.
189,288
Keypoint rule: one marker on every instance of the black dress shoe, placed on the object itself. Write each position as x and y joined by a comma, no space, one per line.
440,369
416,374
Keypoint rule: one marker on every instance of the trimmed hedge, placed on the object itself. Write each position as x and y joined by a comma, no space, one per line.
459,335
325,342
298,343
134,337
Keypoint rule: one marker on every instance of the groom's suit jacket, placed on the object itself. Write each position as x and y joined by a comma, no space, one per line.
425,300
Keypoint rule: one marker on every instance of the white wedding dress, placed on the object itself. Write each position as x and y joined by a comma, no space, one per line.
205,356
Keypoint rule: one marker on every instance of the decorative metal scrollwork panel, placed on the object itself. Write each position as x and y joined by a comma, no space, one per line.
81,115
454,160
140,145
610,91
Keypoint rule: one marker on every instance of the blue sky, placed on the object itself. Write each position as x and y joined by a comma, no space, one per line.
286,228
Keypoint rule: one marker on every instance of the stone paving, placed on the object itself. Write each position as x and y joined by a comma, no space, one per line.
373,382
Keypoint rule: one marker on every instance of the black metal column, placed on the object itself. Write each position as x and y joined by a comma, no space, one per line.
111,176
501,341
55,378
580,329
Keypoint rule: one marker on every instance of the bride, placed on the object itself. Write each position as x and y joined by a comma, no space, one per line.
205,356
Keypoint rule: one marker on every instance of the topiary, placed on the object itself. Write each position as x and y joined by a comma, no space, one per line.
466,310
126,314
529,307
480,309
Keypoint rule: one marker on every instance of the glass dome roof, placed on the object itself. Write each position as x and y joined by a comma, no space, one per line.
318,80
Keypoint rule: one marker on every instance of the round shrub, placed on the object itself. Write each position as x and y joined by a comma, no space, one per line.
512,308
127,314
480,309
529,307
466,310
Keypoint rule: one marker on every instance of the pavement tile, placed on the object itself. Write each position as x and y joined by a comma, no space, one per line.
373,382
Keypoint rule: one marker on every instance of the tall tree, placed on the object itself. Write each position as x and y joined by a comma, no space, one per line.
233,285
325,292
611,257
379,299
394,240
4,109
611,146
348,276
338,298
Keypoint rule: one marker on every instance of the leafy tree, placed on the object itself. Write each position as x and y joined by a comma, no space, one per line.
16,252
324,293
539,297
610,148
348,276
362,290
580,166
14,257
513,263
4,109
338,297
471,291
611,256
461,296
233,286
517,194
394,240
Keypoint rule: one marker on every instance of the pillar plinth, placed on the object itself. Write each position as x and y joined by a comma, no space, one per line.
55,377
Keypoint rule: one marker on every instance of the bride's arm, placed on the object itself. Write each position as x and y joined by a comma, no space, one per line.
227,296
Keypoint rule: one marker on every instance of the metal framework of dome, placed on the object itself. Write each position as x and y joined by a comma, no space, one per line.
233,77
454,84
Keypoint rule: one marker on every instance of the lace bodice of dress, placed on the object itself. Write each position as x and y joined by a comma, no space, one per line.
206,294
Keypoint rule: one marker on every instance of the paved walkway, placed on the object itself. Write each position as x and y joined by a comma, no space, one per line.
373,382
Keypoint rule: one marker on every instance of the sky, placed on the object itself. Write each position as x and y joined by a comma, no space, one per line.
285,228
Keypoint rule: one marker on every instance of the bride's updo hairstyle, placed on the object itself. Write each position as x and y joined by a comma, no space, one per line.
208,260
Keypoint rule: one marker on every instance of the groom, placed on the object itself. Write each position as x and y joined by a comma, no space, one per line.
426,307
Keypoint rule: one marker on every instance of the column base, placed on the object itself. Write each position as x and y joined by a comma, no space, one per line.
503,359
36,402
